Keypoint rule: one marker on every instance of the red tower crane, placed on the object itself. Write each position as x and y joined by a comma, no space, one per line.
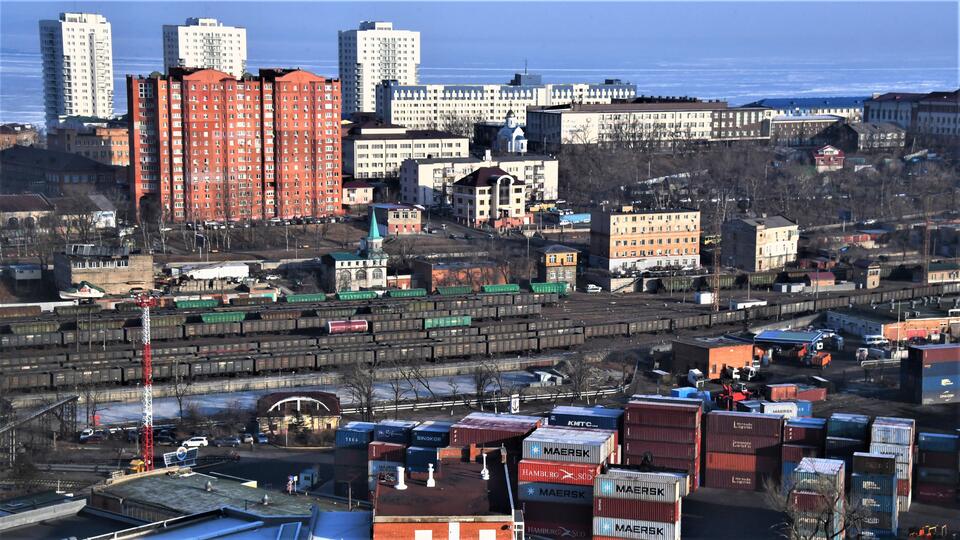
146,429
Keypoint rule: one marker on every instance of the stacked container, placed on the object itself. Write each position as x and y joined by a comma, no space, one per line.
938,463
394,431
632,504
493,430
590,417
816,499
895,436
558,467
786,409
873,493
931,374
846,434
811,393
743,449
802,437
350,471
431,434
668,431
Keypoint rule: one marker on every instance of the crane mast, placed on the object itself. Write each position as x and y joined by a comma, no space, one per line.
146,429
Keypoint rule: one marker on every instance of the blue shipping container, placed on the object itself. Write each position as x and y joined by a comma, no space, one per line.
683,391
751,405
873,484
804,407
432,434
810,422
394,431
874,504
786,475
418,457
558,493
850,426
944,389
939,442
948,369
586,417
354,435
938,476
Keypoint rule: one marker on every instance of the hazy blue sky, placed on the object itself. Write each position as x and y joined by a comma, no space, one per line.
728,50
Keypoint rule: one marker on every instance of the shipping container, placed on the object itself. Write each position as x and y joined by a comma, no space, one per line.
796,452
635,529
386,451
586,417
781,392
939,442
740,423
640,486
394,431
419,458
850,426
748,480
432,433
874,463
810,431
666,512
661,449
742,444
813,472
583,474
935,493
810,393
902,453
355,435
892,430
660,434
345,456
570,445
672,415
555,493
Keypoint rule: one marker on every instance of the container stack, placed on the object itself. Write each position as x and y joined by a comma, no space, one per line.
873,493
743,449
846,434
556,476
811,393
802,437
425,439
895,436
632,504
786,409
590,417
493,430
350,472
668,431
394,431
937,468
931,374
816,500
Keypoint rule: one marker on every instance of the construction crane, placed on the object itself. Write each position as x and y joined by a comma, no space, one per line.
145,302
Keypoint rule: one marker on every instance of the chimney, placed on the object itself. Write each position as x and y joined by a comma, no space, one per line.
265,500
487,155
485,474
208,486
400,484
430,481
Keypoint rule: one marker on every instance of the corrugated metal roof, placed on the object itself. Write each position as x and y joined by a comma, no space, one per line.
788,337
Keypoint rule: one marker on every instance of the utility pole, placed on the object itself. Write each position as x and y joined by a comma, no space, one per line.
716,259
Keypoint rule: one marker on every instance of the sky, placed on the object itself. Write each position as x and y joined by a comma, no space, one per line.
735,51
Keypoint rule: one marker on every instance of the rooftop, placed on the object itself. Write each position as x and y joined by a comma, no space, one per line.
943,266
771,222
557,248
485,177
43,159
356,184
330,403
841,102
712,342
808,118
459,492
453,264
898,96
394,206
875,128
496,159
626,210
368,131
28,202
633,107
787,337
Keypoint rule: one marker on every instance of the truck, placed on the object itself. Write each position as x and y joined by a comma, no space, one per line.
819,359
695,378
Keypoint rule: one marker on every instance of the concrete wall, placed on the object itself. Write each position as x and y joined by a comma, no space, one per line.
46,513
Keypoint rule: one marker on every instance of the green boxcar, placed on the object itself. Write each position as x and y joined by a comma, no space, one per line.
678,283
501,289
455,291
446,322
559,287
305,298
79,309
223,317
356,295
34,327
406,293
197,304
101,324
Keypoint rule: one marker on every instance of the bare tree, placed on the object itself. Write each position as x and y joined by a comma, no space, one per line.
481,380
181,385
359,381
578,373
91,401
399,386
814,509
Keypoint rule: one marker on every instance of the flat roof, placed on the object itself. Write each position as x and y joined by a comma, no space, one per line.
712,342
187,494
839,102
459,492
787,337
633,107
473,159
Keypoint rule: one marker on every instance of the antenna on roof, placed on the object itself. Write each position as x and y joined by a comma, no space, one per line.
524,66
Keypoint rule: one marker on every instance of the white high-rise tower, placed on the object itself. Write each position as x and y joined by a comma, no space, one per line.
77,56
205,43
371,54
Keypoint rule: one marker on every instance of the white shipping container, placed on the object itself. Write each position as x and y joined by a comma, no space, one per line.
891,434
640,486
632,528
904,453
569,445
785,409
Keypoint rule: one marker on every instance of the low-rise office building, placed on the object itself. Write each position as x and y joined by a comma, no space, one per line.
802,130
490,196
558,264
848,107
55,173
18,134
865,273
756,244
638,239
935,114
103,140
871,137
357,193
397,219
376,150
115,270
896,323
428,182
943,272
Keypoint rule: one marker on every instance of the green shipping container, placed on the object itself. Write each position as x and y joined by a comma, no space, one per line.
406,293
501,289
223,317
35,327
305,298
356,295
197,304
559,287
455,291
446,322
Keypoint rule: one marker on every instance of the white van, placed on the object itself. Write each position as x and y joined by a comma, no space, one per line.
875,340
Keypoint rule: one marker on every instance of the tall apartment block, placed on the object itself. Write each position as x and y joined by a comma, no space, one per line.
205,43
371,54
207,146
77,56
631,238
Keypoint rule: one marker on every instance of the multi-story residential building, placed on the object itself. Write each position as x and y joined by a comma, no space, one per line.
357,193
895,107
458,106
18,134
870,137
638,239
205,43
828,158
490,196
55,173
397,219
103,140
850,108
936,113
802,130
115,270
756,244
206,146
428,182
77,55
373,53
376,150
558,264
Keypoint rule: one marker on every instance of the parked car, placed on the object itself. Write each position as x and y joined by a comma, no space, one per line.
92,439
591,288
875,340
166,440
246,438
262,439
232,442
195,442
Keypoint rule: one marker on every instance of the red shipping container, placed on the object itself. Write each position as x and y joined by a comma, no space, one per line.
549,528
903,487
554,520
661,449
805,435
577,474
384,451
664,512
661,434
935,493
721,479
781,392
939,460
741,462
796,452
741,444
670,463
808,501
487,435
812,394
936,354
674,415
737,423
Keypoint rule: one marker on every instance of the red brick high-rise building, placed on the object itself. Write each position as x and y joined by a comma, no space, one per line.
206,146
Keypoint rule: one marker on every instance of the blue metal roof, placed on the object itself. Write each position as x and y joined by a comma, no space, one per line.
588,411
787,337
810,102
